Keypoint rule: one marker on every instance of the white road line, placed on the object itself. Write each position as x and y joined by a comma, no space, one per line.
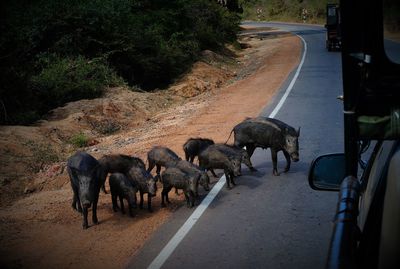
290,87
181,233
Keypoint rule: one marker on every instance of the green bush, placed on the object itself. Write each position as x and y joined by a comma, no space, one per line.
79,140
63,80
50,51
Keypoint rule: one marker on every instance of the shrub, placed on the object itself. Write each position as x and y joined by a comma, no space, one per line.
42,154
64,80
57,51
79,140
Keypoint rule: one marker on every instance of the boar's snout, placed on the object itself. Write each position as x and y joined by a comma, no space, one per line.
86,204
295,157
206,187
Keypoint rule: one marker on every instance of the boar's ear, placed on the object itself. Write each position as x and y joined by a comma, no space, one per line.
298,132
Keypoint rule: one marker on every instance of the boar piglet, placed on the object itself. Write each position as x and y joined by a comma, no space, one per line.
145,184
123,188
174,177
212,158
160,156
190,168
85,175
193,147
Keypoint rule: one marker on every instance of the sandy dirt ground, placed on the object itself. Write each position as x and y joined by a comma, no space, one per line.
39,229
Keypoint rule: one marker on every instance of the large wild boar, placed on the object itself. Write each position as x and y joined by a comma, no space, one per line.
160,156
193,147
85,175
268,133
118,163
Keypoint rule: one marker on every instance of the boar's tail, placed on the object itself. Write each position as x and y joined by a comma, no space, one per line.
229,136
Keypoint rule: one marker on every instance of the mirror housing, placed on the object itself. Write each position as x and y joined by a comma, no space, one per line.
327,172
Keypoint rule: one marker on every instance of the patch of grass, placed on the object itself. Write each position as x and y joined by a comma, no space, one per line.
42,154
79,140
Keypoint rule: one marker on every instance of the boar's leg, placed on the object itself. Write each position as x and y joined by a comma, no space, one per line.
76,203
158,170
287,156
121,201
228,180
141,200
250,149
187,198
131,214
103,177
164,195
151,165
231,176
274,156
114,202
149,203
94,209
191,199
85,215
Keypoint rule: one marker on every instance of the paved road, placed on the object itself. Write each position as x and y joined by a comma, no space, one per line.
267,221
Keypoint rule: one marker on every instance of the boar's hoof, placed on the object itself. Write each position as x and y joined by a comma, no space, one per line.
252,169
276,173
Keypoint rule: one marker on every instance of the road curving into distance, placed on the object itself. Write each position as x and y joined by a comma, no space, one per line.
267,221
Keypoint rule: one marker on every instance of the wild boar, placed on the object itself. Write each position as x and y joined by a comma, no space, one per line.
236,152
268,133
85,175
145,184
118,163
123,188
159,156
212,158
193,147
175,177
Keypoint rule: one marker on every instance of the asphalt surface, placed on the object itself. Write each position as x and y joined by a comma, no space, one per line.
267,221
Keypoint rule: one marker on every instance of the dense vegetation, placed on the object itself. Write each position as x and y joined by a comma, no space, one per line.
57,51
286,10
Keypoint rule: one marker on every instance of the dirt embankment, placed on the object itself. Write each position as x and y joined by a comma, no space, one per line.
38,228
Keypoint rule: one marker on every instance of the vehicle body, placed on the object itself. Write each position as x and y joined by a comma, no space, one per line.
333,30
366,231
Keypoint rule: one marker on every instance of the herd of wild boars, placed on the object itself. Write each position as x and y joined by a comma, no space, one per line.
128,174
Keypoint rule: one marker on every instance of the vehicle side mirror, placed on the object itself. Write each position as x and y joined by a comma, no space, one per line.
327,172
